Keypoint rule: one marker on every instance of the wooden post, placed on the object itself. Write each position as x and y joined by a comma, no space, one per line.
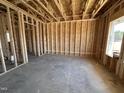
41,38
21,37
14,36
48,37
57,45
37,36
4,31
2,58
45,37
61,38
52,40
83,36
24,39
11,35
34,40
66,38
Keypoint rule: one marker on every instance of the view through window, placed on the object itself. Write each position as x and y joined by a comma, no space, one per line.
115,37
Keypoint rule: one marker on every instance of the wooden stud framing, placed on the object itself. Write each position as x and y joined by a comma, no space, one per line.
58,6
61,38
41,39
45,39
14,7
11,35
2,58
34,9
66,38
57,43
38,1
37,36
21,37
72,38
52,38
77,42
24,37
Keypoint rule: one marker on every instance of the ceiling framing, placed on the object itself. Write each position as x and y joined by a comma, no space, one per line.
64,10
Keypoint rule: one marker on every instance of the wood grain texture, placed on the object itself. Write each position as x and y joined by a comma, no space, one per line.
83,38
72,38
77,37
67,35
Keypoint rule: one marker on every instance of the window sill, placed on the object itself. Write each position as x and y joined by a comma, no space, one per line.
113,56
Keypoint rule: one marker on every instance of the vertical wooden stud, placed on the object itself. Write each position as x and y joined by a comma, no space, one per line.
24,39
11,35
57,38
21,37
61,44
37,36
83,38
77,41
41,39
2,58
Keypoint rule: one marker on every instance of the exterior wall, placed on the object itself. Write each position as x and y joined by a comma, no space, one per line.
72,37
114,64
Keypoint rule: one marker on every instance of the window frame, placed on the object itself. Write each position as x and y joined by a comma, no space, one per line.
111,28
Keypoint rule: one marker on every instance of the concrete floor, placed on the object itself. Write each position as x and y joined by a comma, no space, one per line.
60,74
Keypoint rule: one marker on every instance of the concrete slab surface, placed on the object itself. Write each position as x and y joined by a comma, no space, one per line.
60,74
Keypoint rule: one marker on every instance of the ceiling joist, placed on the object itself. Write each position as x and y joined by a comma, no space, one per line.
101,6
73,8
63,10
29,6
60,9
89,8
49,13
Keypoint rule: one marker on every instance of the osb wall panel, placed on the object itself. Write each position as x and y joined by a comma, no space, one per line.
71,37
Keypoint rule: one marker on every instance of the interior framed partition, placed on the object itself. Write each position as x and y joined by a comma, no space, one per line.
20,34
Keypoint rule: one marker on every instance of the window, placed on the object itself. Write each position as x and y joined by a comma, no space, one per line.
115,37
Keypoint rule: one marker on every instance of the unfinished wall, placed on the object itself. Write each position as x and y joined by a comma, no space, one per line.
113,64
25,33
71,37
